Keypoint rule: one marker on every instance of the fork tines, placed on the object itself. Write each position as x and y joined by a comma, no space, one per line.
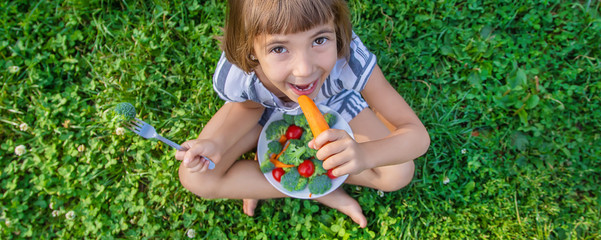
135,125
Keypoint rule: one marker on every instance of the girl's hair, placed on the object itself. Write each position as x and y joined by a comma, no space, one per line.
247,19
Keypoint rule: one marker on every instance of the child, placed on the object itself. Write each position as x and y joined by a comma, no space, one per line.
275,51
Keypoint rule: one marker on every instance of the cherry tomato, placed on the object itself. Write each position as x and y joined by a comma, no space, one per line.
277,173
330,175
306,169
294,132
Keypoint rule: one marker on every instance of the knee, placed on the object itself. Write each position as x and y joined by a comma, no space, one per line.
197,183
398,179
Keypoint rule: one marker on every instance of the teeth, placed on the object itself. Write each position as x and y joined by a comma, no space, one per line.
304,89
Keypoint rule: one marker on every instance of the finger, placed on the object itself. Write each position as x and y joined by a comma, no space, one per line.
334,161
311,144
198,166
347,168
191,163
188,144
194,151
181,153
333,148
344,167
328,136
203,166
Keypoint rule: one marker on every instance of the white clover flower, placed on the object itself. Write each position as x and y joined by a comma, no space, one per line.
380,193
55,213
446,180
191,233
51,205
120,131
20,150
70,215
81,148
23,127
13,69
463,151
7,222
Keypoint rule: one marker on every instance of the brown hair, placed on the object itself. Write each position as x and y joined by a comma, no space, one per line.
247,19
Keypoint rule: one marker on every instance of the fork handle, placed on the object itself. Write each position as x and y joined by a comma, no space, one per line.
178,147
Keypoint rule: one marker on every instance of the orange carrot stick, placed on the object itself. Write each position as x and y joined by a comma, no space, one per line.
283,139
274,158
277,163
316,121
283,149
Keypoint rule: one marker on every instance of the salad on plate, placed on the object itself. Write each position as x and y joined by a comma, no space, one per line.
287,161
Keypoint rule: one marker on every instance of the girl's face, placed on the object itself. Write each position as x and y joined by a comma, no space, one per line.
296,64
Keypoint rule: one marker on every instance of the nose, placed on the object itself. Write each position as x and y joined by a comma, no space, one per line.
303,65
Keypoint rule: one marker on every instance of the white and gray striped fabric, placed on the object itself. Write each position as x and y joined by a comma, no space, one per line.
340,91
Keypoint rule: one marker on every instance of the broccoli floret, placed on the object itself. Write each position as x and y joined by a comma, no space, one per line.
307,135
294,152
125,111
306,138
319,170
309,152
276,129
302,183
289,119
330,118
320,184
301,121
290,179
267,166
274,147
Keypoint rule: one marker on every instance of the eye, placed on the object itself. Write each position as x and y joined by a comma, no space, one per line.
278,50
320,41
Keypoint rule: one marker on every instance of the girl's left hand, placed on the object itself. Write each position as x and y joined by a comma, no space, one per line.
340,151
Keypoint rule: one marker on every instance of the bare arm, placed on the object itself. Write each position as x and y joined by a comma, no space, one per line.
231,123
409,138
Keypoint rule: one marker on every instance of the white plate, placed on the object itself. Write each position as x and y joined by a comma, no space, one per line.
262,149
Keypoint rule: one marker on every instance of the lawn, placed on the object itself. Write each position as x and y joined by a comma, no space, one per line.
509,92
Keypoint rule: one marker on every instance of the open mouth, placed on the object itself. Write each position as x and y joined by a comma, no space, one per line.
305,89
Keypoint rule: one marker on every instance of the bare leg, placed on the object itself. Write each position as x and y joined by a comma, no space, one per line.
242,179
245,181
249,205
232,178
344,203
369,126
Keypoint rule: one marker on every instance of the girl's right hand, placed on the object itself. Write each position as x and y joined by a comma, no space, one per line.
192,153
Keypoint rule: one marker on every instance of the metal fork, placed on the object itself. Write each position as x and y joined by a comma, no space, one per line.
147,131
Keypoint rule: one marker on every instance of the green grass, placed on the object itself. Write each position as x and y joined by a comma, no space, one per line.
509,92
